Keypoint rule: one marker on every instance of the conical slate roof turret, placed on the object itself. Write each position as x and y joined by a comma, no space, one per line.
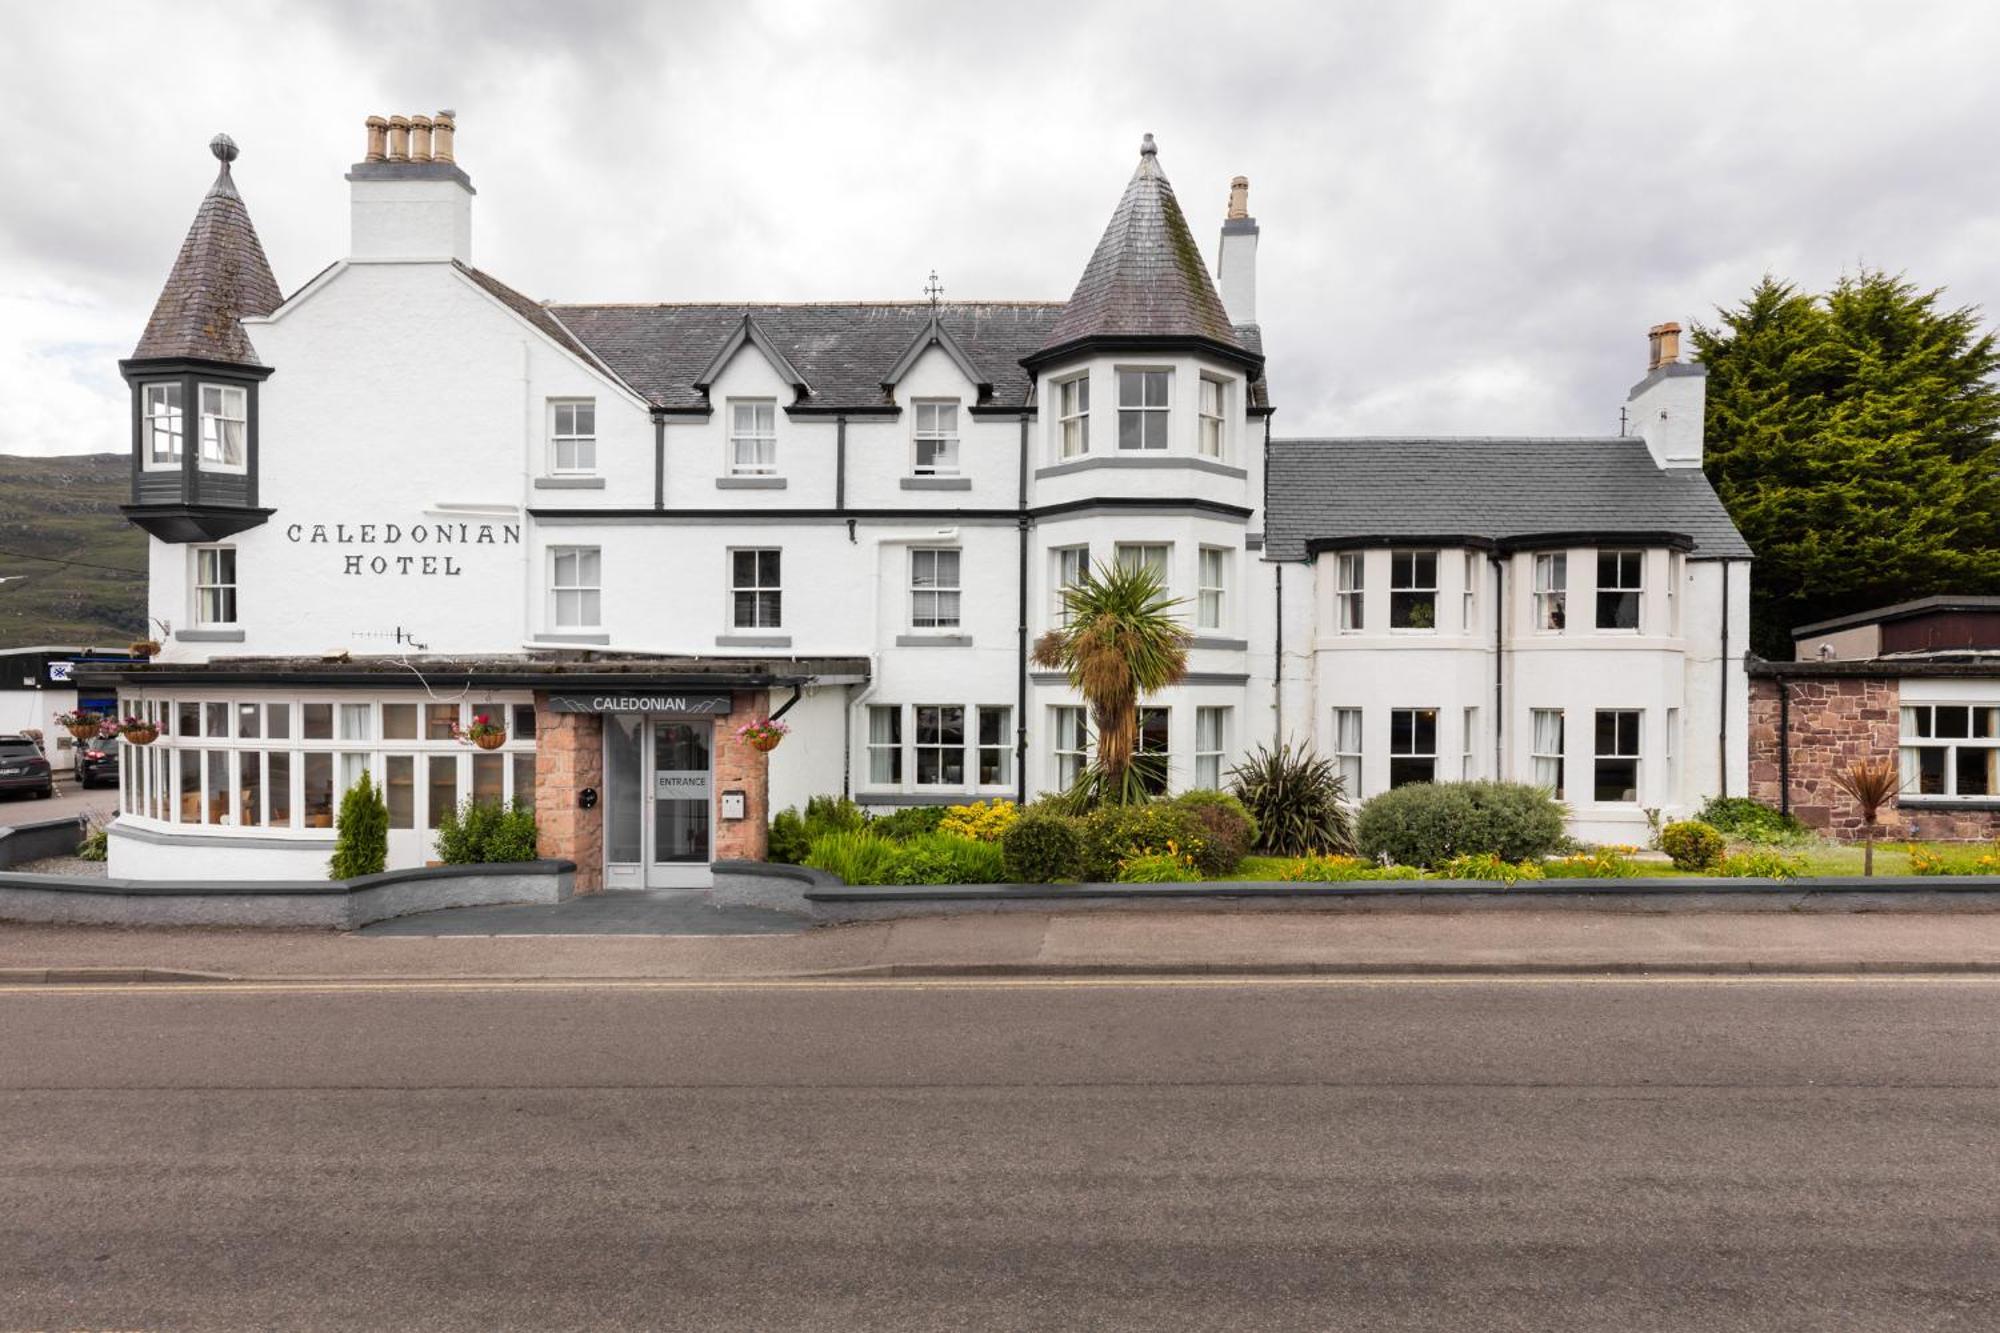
1147,279
220,276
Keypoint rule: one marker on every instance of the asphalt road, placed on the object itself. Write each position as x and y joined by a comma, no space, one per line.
1494,1155
70,800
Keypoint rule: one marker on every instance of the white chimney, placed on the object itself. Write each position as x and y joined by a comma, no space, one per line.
1667,408
1236,269
410,205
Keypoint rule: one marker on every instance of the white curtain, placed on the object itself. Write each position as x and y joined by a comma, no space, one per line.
1548,748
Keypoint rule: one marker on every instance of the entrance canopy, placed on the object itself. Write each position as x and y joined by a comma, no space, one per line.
566,675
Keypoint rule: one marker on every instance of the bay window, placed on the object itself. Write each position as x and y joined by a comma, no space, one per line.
1347,751
1413,589
1143,408
1211,742
1072,563
1413,744
1211,574
1551,591
885,745
1213,417
1070,747
1150,756
1349,577
1073,416
1547,749
940,745
996,747
1617,774
163,426
1621,582
224,424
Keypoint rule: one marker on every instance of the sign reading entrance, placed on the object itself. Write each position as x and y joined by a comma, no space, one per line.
668,705
680,786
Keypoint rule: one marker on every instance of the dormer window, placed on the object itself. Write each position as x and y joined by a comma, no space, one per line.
937,439
163,426
1142,408
573,436
1073,416
224,426
1214,420
753,438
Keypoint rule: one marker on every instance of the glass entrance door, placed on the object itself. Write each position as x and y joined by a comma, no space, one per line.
680,793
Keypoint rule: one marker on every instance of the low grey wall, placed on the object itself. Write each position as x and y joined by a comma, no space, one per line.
767,884
32,842
333,904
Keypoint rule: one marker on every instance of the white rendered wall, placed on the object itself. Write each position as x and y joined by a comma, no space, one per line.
222,857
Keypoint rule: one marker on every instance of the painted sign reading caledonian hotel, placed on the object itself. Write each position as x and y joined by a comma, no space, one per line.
661,521
394,534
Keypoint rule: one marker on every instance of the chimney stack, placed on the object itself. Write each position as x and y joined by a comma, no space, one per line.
1236,266
1667,408
1663,345
409,198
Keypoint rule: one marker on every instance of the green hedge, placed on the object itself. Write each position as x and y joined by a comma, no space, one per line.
487,833
1427,824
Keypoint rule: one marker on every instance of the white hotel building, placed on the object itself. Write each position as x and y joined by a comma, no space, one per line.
622,530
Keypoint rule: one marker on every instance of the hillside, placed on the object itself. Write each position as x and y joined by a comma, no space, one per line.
66,508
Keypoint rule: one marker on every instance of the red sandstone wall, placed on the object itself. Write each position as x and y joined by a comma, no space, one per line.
741,766
1834,722
569,756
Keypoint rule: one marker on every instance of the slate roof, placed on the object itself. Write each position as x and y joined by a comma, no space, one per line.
1147,277
1488,488
527,308
219,277
844,350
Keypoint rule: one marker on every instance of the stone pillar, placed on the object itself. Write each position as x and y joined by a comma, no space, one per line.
741,766
569,756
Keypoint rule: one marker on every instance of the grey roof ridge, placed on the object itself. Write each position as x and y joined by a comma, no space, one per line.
1458,439
797,305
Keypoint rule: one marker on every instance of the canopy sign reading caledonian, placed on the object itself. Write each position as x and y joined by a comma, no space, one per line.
678,705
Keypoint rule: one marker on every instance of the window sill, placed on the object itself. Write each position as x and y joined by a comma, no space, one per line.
750,483
573,638
1137,459
569,483
923,640
929,796
753,640
937,483
1220,644
1975,804
216,635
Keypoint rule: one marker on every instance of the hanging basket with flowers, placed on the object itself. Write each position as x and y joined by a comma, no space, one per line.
138,730
484,732
145,648
764,733
80,723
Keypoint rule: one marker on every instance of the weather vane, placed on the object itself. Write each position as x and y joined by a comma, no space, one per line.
934,289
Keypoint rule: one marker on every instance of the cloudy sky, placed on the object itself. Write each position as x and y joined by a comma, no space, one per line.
1471,212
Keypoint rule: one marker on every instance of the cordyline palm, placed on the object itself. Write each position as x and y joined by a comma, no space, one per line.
1872,783
1122,642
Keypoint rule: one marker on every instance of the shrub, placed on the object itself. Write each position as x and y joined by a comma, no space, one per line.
945,858
908,822
982,821
1227,830
1112,833
1172,866
857,858
1692,845
1296,800
1428,824
1341,870
361,847
485,833
1760,863
1042,847
1593,863
1748,820
792,834
1487,866
1926,861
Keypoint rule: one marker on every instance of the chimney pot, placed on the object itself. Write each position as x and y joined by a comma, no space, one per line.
442,126
378,134
1663,345
1239,197
399,138
420,138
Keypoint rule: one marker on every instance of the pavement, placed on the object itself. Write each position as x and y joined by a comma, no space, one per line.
1517,1153
1057,943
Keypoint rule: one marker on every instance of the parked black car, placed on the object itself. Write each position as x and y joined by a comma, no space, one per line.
23,767
99,763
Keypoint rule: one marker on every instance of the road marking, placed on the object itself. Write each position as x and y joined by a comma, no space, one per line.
492,986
